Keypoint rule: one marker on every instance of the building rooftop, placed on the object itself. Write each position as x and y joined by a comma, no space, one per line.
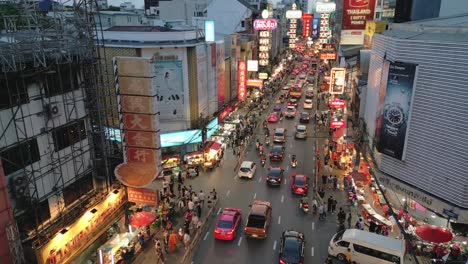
442,29
117,13
142,29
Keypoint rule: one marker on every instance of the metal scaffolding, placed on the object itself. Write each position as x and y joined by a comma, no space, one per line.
33,45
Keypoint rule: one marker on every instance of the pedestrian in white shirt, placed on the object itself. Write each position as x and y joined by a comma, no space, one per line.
201,196
191,205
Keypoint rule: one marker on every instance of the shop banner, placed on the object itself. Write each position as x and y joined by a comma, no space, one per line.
392,123
242,79
337,80
255,83
337,103
315,25
337,124
142,196
328,56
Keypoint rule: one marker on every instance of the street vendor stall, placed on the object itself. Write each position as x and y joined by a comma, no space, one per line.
117,248
212,153
193,161
170,165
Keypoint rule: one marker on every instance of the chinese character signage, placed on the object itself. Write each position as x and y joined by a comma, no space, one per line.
355,14
252,65
337,80
306,18
139,108
142,196
315,29
325,32
293,16
393,116
265,24
242,80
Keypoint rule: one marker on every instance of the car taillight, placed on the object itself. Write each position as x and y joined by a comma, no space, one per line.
263,231
230,232
245,228
267,178
282,262
271,155
217,231
279,179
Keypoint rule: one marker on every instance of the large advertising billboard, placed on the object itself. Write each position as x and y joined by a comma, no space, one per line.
337,80
395,100
355,14
170,90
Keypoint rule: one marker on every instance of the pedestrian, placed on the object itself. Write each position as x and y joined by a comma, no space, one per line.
350,217
324,179
141,239
341,216
348,256
214,194
335,183
186,240
172,241
372,226
321,192
171,185
199,210
195,199
158,249
179,190
333,206
329,204
378,229
165,186
385,231
180,235
191,205
180,178
321,211
360,224
330,181
201,196
190,190
166,239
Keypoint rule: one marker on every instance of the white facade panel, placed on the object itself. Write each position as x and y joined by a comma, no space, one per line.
437,138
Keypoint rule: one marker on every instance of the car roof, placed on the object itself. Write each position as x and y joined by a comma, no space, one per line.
291,107
292,233
259,207
279,129
246,163
304,113
301,127
308,100
300,176
275,147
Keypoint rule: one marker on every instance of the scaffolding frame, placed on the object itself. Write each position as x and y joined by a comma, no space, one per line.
37,43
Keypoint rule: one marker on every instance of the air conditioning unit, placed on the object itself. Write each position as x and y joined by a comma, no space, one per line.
52,110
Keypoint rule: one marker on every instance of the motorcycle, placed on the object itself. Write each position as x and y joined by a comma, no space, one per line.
263,162
294,163
267,142
304,207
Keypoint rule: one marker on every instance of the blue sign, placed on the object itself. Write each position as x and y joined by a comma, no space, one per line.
315,28
209,30
450,214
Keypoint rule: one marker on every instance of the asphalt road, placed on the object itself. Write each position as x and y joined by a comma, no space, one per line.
235,192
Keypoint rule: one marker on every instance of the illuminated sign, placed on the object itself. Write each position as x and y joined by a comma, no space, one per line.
241,80
337,124
209,30
294,13
263,75
322,7
324,32
315,30
265,24
337,80
328,56
306,18
337,103
355,15
255,82
252,65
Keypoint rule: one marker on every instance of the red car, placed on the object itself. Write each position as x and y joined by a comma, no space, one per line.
228,223
299,184
273,117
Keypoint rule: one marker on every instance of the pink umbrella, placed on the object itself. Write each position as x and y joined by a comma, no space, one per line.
434,234
142,219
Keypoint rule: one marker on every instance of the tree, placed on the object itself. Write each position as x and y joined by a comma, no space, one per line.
8,9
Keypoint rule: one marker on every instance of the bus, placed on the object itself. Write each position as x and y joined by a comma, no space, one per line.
367,247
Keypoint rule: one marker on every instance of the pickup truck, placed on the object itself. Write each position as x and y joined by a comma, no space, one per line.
258,220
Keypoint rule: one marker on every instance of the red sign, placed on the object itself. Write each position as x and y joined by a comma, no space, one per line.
241,80
265,24
306,18
328,46
337,124
142,196
337,103
328,56
356,12
324,87
255,82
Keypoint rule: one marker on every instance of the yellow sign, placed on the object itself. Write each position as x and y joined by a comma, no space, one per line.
263,75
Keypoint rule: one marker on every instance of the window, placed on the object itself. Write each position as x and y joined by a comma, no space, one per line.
69,134
378,15
20,156
343,243
242,23
74,191
62,79
109,21
129,19
13,90
376,253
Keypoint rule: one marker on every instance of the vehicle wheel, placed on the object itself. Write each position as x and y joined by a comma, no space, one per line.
341,257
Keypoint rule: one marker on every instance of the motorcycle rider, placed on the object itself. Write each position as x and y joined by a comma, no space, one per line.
293,160
303,202
260,149
263,159
267,140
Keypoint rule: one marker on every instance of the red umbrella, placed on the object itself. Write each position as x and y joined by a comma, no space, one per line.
434,234
142,219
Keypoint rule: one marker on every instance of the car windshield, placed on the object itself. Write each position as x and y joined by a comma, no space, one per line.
276,149
300,181
308,101
300,130
245,169
278,134
292,250
224,224
338,236
274,173
304,115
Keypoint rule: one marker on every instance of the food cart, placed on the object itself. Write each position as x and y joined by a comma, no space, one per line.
170,165
212,152
193,161
118,247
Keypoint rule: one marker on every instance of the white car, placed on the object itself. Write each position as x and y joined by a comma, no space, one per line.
290,112
286,87
301,132
247,169
308,104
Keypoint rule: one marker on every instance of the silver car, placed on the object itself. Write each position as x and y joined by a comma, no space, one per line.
301,132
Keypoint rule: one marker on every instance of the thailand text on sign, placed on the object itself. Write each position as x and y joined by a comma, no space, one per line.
265,24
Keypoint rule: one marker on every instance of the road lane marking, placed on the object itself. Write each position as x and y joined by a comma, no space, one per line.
287,168
255,195
274,245
206,236
219,210
312,251
313,225
228,192
290,155
235,177
239,242
282,198
260,179
284,181
291,145
279,220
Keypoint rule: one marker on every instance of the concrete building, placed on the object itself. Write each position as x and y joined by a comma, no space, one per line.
182,9
118,18
230,16
414,108
197,67
413,10
127,6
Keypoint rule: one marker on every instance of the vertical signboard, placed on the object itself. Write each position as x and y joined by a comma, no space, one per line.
355,14
170,89
264,47
315,29
220,69
306,18
209,31
242,80
392,123
337,80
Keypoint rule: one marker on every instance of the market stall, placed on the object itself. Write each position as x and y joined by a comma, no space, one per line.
170,165
194,160
212,154
119,247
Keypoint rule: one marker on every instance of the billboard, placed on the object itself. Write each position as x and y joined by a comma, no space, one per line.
265,24
252,65
315,28
170,89
337,80
322,7
209,30
220,73
395,101
372,27
355,14
242,79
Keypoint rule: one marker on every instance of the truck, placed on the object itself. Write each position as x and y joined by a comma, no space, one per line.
258,220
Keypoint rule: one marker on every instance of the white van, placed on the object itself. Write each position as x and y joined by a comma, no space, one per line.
367,247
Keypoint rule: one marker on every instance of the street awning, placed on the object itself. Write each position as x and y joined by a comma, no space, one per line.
140,219
434,234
